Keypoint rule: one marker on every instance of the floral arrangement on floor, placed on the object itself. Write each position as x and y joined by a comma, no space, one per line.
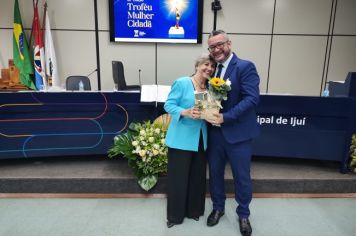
353,154
144,148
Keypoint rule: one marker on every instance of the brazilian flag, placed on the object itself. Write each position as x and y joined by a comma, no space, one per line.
22,58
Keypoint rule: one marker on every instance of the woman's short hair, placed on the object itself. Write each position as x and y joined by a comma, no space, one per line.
202,59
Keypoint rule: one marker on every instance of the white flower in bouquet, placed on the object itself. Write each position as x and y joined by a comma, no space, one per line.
155,152
142,153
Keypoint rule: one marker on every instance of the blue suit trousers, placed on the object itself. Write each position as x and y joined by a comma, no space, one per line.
239,156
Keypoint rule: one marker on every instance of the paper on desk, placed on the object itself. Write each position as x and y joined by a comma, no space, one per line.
154,93
162,92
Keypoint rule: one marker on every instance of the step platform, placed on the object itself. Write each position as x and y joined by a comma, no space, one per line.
101,175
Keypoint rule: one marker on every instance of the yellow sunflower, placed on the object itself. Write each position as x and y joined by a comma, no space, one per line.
217,82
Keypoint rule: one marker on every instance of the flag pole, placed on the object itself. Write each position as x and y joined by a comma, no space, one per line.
44,17
43,37
30,43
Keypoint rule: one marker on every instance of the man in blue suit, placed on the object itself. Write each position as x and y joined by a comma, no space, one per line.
232,131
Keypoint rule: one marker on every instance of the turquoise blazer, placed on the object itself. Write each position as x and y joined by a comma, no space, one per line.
183,132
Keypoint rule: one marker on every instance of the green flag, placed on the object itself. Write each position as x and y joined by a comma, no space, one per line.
20,47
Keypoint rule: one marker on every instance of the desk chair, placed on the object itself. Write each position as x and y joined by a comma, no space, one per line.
72,82
119,77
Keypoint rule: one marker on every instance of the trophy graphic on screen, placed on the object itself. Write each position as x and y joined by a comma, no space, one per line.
177,18
176,7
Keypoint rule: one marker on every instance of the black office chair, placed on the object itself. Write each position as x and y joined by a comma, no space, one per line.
72,82
119,77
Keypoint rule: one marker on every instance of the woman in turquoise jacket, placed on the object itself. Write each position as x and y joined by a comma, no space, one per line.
187,141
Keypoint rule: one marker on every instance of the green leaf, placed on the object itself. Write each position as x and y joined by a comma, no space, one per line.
148,182
122,145
352,163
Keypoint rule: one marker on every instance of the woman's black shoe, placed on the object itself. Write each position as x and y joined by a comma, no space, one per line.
170,224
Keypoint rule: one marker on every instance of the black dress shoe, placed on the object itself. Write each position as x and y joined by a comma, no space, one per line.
214,217
245,227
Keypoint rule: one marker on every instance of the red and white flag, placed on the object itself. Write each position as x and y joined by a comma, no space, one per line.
38,52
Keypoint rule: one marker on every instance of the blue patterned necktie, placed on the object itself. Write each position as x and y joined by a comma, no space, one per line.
220,66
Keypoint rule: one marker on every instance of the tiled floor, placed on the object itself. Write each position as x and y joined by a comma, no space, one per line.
146,216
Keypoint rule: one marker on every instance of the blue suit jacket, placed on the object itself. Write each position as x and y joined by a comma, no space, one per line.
183,132
240,121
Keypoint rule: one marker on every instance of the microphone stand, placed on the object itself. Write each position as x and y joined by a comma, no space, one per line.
139,77
215,6
92,72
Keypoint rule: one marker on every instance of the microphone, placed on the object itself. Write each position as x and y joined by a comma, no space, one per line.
139,77
215,5
92,72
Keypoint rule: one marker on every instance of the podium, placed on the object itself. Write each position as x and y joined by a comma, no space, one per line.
10,78
344,89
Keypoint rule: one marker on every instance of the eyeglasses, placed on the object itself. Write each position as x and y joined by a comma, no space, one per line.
217,46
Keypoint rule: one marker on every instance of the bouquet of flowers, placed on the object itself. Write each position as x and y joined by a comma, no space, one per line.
210,102
218,89
144,148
